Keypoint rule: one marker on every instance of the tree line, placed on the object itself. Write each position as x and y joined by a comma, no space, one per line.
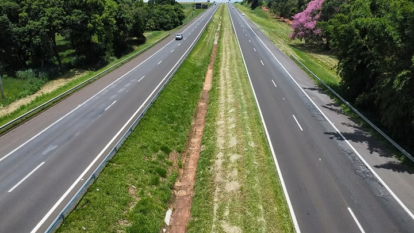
283,8
374,43
96,29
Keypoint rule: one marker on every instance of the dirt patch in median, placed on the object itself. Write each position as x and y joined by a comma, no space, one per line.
184,187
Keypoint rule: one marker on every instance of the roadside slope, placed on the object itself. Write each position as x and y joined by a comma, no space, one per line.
237,187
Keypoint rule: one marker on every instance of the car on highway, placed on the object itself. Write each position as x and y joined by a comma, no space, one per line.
179,36
243,14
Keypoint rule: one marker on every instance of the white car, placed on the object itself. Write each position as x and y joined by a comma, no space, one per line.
243,14
179,36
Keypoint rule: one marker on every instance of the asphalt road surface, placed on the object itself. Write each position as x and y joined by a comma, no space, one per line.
44,162
330,186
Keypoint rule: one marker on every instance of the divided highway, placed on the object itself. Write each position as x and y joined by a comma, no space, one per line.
45,161
328,185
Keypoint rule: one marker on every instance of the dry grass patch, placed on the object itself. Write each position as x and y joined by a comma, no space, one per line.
237,187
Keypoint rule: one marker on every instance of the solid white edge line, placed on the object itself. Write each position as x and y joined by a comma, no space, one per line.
356,220
274,83
336,129
261,62
7,155
110,105
27,176
292,212
297,122
112,140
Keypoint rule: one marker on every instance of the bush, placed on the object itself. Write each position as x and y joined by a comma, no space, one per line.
33,82
25,74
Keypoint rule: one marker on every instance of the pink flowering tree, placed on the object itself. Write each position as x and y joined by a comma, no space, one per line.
304,23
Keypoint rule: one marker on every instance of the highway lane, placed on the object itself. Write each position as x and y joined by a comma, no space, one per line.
329,188
45,161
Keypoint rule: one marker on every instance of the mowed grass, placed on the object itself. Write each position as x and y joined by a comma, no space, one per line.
321,62
133,191
237,186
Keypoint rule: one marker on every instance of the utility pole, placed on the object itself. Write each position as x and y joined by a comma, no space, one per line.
1,89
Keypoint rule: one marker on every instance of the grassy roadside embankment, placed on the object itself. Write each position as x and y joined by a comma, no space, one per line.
10,110
237,187
133,191
319,61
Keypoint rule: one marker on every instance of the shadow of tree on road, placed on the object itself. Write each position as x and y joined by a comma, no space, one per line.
359,136
396,167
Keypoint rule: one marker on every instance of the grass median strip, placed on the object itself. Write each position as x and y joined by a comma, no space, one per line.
237,187
133,191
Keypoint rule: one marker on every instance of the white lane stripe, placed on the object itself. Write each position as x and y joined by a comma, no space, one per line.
336,129
172,50
274,83
110,105
141,78
269,140
54,123
250,41
297,122
185,38
179,44
356,220
254,49
261,62
36,228
159,62
25,177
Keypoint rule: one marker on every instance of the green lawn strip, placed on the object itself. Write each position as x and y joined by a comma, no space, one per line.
133,191
261,198
15,85
192,14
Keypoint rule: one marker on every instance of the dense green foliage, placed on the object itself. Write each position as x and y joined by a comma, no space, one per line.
283,8
97,30
374,42
287,8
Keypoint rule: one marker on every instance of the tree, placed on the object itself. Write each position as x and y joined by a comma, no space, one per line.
13,53
374,42
282,8
43,20
91,28
304,23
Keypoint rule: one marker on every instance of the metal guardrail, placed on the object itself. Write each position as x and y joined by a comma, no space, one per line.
76,198
70,91
356,111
